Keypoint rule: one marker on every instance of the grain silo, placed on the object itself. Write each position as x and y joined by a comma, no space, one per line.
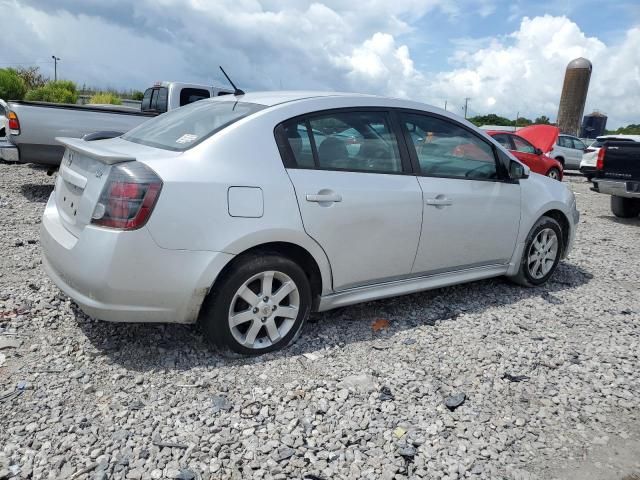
574,95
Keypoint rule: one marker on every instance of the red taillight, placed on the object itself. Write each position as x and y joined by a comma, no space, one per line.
14,123
600,161
128,197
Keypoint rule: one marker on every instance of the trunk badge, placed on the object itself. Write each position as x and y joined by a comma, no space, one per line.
99,173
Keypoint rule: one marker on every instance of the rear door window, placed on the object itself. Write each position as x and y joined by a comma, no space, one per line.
349,140
190,95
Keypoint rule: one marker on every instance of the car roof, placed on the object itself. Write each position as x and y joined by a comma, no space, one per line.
270,99
620,135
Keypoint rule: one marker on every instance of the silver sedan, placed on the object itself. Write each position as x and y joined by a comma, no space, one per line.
247,213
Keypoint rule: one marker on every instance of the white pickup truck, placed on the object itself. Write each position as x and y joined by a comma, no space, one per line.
28,129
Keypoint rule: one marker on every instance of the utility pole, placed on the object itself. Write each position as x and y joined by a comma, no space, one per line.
466,106
55,67
517,116
445,105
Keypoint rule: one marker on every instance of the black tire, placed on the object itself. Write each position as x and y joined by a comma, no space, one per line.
554,173
625,207
524,277
214,315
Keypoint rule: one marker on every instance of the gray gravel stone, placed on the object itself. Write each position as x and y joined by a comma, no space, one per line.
107,393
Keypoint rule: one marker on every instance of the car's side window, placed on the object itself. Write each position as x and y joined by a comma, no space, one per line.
578,144
522,145
565,142
445,149
504,140
354,141
298,139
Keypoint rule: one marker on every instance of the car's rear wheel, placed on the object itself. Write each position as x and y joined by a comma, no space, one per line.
258,306
625,207
542,253
554,173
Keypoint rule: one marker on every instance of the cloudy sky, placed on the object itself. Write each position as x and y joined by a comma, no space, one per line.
506,56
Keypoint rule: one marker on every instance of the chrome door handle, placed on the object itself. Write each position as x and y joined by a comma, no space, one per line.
324,197
438,202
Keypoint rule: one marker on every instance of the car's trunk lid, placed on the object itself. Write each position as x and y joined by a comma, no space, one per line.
84,171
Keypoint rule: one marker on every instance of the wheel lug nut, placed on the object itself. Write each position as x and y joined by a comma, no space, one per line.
265,299
255,310
274,307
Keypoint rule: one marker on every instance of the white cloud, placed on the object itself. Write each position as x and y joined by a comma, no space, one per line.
304,44
524,71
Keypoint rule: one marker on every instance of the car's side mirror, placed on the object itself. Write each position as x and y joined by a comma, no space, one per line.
537,151
518,171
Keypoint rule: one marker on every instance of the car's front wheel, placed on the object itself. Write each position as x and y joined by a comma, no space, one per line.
542,253
259,305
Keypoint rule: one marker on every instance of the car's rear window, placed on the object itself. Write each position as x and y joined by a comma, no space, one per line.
185,127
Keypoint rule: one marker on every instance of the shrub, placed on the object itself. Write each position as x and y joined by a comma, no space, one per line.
12,87
62,91
105,98
137,95
32,77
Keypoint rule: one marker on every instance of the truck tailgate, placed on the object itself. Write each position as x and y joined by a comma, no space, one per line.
621,161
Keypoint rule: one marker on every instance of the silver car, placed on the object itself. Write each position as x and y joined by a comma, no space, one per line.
247,213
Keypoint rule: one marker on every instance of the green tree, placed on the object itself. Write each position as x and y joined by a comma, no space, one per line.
491,119
105,98
542,120
12,87
523,122
62,91
632,129
137,95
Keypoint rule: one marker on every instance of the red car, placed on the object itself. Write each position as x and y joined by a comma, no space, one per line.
528,146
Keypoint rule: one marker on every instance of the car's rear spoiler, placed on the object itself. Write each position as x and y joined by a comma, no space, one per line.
98,152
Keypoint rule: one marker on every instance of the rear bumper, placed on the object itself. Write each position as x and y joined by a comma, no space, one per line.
124,276
9,152
617,188
587,171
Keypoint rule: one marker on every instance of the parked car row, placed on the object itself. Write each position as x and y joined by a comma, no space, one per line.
335,199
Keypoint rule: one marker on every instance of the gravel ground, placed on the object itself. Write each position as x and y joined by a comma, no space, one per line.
550,377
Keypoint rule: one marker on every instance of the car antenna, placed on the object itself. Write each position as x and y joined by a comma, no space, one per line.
236,90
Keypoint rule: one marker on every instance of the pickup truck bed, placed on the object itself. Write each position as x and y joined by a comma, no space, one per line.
35,145
618,174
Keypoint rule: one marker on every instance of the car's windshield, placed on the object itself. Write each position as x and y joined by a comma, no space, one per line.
187,126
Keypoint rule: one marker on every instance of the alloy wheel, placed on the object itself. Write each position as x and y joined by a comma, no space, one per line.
264,309
542,253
